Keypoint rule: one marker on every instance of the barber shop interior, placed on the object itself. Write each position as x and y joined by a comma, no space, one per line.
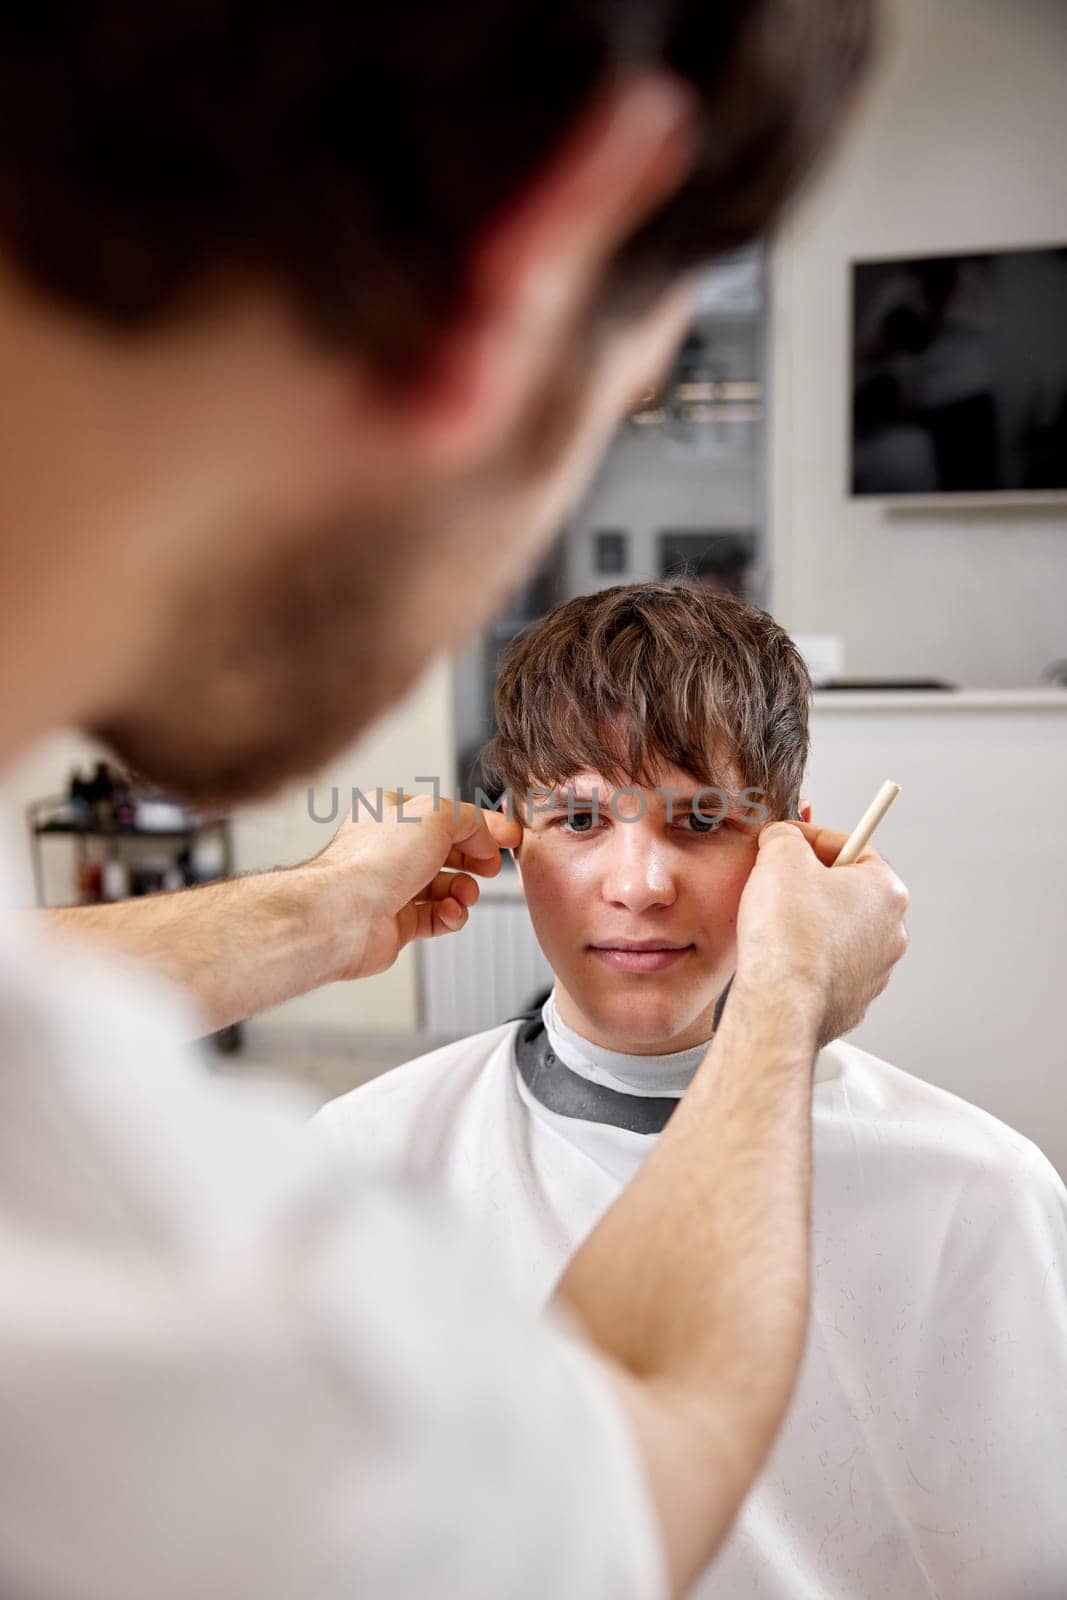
818,575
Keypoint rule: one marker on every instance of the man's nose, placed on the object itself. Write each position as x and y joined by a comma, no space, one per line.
637,869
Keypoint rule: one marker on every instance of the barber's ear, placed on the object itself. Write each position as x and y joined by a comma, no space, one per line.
805,810
535,271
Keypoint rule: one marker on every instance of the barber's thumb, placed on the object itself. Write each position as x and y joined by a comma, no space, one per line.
772,833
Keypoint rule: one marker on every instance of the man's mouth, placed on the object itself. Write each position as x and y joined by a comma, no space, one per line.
640,955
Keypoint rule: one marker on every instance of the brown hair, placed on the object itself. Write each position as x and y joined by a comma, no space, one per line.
354,154
644,673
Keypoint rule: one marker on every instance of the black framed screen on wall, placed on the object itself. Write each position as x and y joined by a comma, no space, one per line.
959,374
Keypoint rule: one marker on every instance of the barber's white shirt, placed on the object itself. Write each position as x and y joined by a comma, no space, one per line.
925,1453
220,1379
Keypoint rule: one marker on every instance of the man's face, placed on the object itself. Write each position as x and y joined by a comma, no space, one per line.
285,633
636,909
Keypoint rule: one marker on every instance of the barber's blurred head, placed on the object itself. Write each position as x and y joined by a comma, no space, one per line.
316,322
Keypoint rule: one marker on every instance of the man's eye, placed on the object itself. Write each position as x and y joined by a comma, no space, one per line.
697,822
575,821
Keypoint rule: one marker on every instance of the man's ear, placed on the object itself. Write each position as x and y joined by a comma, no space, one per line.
804,808
534,273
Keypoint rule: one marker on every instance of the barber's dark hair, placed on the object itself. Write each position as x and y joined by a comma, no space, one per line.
353,152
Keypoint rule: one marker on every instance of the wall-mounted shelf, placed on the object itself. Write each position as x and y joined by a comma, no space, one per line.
46,820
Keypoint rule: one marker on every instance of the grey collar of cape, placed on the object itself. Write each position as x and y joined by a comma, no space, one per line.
558,1088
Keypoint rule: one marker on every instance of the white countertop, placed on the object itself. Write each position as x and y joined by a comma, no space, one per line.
827,701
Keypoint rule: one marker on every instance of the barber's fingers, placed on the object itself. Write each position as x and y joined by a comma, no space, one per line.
479,835
474,835
442,906
827,843
457,886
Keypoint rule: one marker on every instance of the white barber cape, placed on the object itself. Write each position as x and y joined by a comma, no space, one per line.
925,1452
224,1380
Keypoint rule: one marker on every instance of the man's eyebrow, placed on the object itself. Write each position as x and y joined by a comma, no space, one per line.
544,798
541,799
705,794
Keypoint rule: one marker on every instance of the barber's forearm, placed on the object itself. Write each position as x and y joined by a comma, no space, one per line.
695,1284
238,947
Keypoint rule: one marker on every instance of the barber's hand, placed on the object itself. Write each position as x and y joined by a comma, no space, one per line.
387,882
824,938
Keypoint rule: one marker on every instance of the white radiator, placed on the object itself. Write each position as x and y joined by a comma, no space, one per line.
491,971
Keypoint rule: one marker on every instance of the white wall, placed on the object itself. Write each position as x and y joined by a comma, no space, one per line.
959,145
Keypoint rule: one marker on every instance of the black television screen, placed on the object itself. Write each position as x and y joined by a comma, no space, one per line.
959,374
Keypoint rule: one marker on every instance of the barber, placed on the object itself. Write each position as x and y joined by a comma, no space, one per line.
285,408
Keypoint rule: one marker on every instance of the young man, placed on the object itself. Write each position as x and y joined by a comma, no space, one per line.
926,1449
